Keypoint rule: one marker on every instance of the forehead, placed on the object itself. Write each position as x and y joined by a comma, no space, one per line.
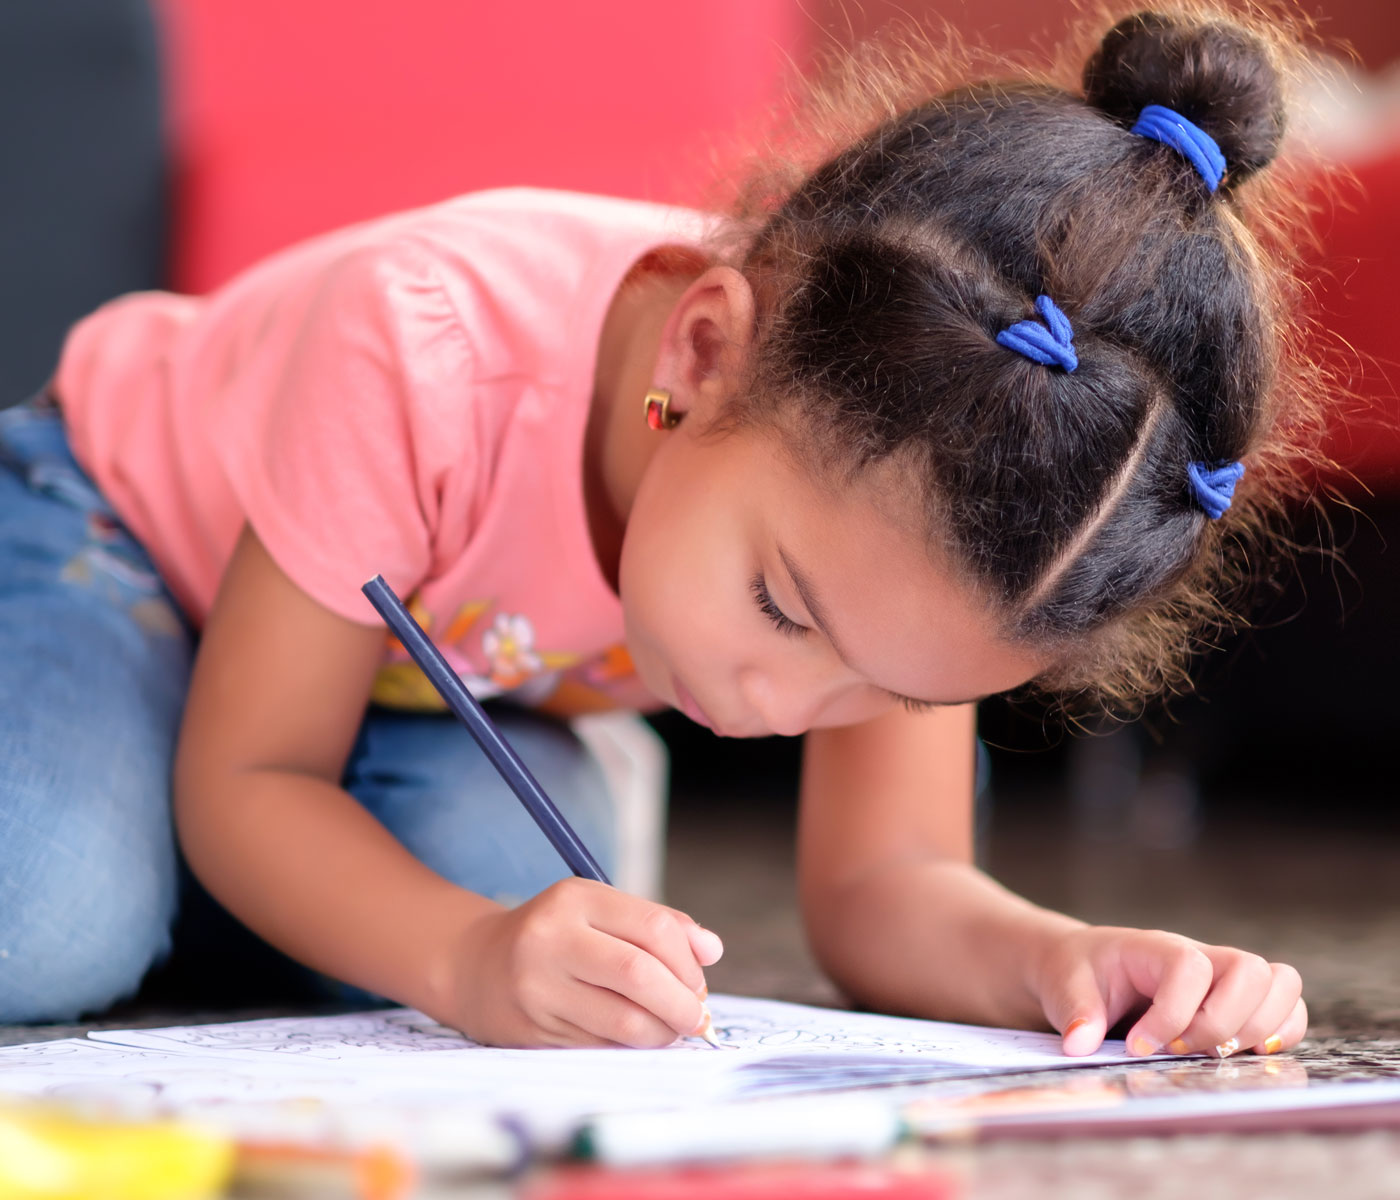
903,614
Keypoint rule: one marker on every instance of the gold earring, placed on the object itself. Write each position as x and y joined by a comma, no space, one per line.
657,407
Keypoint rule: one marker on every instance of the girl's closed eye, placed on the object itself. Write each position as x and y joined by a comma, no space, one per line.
769,607
915,706
759,587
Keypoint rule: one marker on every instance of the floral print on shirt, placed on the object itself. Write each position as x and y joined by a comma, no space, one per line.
500,658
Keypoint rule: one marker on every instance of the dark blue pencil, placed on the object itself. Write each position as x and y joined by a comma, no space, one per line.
503,757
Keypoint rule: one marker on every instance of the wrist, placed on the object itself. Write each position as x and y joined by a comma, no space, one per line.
955,944
450,956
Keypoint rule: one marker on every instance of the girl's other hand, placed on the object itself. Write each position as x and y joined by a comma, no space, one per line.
581,964
1193,998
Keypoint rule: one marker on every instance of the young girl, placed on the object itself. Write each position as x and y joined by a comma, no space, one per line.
962,410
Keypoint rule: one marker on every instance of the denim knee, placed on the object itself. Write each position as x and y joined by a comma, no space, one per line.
429,783
96,666
86,902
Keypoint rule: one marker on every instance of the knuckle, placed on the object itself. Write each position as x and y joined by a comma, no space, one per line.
1287,978
633,1028
1257,971
536,935
561,898
576,889
632,966
1193,962
660,923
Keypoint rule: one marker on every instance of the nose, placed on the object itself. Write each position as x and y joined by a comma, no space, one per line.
787,708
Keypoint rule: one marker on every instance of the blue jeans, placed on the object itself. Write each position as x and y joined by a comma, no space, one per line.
94,664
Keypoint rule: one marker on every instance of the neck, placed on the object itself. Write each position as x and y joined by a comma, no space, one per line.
618,445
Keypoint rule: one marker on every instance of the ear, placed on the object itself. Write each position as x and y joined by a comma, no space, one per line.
705,342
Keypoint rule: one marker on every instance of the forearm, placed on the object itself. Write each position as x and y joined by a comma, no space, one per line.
301,863
933,938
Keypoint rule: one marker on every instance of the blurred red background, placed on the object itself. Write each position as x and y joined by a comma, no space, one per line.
169,143
291,118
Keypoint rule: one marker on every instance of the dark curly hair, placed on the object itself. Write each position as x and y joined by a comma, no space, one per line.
883,275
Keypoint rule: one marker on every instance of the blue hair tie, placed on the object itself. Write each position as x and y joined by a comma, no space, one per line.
1172,129
1214,487
1048,343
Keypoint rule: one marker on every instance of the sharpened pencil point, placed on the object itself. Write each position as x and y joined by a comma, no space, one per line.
706,1028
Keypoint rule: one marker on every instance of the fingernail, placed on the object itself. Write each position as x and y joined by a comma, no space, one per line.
703,991
1227,1047
1077,1023
1177,1046
1140,1045
1273,1044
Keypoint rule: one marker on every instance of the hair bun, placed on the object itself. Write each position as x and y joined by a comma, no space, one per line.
1215,74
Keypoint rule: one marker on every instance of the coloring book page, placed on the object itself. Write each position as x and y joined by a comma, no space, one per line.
748,1030
402,1060
764,1046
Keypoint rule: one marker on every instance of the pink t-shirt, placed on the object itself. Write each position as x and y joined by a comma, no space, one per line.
406,397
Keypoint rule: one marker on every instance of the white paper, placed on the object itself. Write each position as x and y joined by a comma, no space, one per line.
751,1032
394,1073
402,1059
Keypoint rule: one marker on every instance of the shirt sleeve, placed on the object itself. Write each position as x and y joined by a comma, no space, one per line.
340,417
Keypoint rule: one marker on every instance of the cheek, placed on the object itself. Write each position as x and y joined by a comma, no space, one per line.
678,591
855,707
655,578
638,577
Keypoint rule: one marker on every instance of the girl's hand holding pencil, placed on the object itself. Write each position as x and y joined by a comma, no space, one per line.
1193,998
582,964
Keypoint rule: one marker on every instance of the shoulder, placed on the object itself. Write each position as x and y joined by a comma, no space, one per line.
528,272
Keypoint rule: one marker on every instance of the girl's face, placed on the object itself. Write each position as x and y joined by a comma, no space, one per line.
758,601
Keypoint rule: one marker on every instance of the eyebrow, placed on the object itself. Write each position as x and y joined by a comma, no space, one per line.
808,595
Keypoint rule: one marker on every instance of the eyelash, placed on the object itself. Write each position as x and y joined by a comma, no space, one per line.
785,624
759,587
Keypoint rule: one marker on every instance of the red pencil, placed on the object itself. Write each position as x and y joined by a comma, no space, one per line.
768,1181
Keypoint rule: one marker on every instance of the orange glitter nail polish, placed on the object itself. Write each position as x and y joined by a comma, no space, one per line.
1140,1045
1178,1046
1273,1044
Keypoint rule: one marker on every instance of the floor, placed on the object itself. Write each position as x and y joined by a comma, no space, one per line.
1323,895
1288,887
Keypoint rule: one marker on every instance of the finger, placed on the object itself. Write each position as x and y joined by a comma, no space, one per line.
556,1033
1278,1007
1288,1034
617,1020
630,972
1231,1013
704,942
1074,1006
1176,975
660,931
